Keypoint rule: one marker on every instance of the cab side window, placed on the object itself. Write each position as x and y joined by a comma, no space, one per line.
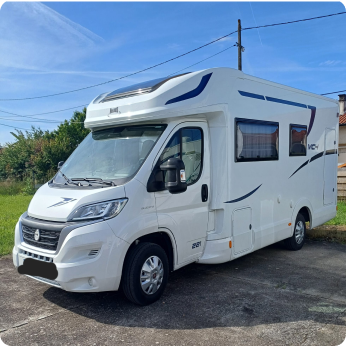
186,144
172,149
192,153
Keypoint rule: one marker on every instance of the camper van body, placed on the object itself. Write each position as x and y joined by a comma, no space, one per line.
242,199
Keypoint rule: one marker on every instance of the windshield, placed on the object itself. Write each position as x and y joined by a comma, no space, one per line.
114,154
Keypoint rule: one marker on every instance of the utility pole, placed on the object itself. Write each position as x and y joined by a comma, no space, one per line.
241,49
239,46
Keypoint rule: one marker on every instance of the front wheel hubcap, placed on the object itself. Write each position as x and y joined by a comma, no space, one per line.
151,275
299,232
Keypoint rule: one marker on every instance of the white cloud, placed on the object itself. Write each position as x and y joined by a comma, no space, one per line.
331,63
173,46
35,37
225,39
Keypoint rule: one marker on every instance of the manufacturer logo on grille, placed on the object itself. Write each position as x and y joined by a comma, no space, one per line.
37,235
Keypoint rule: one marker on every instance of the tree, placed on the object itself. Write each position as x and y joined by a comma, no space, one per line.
39,152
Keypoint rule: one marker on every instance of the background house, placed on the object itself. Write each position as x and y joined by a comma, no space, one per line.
342,129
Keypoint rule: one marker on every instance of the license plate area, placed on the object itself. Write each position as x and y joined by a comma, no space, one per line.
34,267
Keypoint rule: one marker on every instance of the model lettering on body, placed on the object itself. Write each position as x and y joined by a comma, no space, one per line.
313,146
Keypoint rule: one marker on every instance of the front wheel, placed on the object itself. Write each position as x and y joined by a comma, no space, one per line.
296,242
145,273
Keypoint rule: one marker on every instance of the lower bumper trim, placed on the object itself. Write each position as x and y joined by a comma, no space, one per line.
46,281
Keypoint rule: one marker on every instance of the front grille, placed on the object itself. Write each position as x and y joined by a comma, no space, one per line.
48,239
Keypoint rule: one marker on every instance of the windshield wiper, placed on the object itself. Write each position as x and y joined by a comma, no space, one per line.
95,180
67,179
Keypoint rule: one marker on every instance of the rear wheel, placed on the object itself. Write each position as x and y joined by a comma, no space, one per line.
145,273
296,242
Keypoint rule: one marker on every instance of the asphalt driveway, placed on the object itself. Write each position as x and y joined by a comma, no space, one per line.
271,297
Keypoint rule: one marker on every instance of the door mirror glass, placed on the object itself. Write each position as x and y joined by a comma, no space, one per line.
175,180
60,164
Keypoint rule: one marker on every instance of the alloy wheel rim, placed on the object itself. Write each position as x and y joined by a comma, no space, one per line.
151,276
299,232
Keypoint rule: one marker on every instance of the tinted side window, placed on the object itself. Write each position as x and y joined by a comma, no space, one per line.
187,144
298,138
192,153
172,150
256,140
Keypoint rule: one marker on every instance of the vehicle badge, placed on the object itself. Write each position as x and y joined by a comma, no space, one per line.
37,235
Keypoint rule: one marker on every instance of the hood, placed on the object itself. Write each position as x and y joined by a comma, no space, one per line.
55,204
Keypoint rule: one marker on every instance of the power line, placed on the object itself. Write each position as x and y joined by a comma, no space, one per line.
33,121
335,92
169,60
129,75
294,21
60,110
55,121
32,117
15,127
201,61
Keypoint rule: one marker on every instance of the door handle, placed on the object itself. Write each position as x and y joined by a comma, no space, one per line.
204,192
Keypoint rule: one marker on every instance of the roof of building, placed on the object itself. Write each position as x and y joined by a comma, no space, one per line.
342,119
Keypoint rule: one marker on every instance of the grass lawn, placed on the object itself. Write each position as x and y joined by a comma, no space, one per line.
340,218
11,207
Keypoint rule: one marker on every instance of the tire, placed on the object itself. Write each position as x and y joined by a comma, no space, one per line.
297,240
145,273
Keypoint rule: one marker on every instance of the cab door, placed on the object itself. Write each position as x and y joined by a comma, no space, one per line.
186,213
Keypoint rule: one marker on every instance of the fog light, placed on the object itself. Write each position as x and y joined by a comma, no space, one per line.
91,282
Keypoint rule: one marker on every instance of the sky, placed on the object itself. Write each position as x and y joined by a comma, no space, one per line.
54,47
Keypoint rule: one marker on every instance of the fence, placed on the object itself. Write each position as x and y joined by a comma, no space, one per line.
341,184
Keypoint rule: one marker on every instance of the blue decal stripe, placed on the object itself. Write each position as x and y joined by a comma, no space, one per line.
285,102
331,152
245,196
303,165
317,156
192,93
312,118
254,96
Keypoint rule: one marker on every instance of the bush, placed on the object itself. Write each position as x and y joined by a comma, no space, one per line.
38,152
11,188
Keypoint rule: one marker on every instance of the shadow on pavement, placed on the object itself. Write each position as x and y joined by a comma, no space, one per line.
269,286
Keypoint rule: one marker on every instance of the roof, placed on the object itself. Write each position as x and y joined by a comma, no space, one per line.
342,119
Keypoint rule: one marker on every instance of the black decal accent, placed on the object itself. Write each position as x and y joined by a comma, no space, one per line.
312,118
245,196
317,156
192,93
38,268
331,152
304,164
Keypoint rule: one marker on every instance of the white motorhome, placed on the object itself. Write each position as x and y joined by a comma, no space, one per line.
202,167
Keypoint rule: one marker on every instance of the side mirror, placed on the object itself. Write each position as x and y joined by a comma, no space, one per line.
60,164
175,176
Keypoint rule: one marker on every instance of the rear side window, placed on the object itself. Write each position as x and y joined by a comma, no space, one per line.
298,139
256,140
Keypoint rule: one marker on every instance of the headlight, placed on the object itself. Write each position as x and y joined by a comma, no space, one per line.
105,210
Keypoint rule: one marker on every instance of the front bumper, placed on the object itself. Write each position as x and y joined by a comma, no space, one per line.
90,258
